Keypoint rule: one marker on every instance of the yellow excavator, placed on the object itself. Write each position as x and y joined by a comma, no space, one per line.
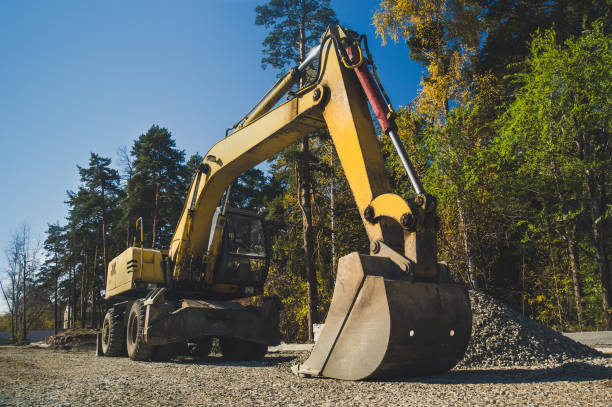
395,312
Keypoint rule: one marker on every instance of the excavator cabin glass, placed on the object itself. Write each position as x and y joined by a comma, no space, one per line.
244,259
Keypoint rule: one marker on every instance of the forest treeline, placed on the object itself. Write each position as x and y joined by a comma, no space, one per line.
510,130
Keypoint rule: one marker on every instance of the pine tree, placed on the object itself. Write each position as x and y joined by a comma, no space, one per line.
102,182
53,270
93,207
156,189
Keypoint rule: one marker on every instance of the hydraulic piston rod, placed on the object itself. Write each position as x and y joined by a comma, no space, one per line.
414,178
309,58
383,114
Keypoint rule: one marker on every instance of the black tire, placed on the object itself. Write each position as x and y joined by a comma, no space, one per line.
136,347
201,347
238,349
113,334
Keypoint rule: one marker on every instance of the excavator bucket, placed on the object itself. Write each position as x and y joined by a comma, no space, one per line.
381,324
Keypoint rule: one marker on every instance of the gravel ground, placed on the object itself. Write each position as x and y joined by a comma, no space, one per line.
57,377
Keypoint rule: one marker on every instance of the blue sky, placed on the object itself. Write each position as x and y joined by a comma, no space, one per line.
91,76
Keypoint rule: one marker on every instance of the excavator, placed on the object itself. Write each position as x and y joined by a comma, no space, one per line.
395,312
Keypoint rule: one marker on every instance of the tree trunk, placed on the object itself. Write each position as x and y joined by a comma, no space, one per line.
311,277
304,199
10,308
570,238
467,246
523,272
572,248
14,310
553,265
155,202
598,231
55,309
13,324
25,277
94,280
93,316
55,294
84,290
72,313
103,210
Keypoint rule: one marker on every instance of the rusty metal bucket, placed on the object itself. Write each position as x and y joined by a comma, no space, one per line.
381,324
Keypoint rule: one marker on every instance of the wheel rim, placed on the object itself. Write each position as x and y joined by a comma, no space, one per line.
133,329
105,332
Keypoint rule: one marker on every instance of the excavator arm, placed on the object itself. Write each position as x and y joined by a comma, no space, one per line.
335,101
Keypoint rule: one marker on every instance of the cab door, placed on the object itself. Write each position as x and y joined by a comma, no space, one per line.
244,253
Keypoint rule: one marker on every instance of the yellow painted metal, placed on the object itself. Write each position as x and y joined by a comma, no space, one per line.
215,247
131,266
337,101
350,126
233,155
391,205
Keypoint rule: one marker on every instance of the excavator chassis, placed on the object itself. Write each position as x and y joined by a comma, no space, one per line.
381,324
207,318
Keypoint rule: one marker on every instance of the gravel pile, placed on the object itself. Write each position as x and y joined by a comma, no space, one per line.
504,337
75,337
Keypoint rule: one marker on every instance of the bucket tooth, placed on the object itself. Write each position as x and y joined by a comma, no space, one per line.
380,324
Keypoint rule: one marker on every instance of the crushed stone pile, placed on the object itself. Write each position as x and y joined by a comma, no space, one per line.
504,337
75,337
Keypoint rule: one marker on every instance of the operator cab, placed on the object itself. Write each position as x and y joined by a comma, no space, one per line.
243,256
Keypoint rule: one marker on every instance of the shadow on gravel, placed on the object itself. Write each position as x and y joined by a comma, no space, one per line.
269,360
571,372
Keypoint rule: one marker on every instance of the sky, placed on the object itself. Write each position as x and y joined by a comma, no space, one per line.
91,76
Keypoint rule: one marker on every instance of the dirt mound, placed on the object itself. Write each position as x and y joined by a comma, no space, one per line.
75,337
504,337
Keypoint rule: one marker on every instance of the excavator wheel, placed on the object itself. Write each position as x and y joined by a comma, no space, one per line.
238,349
201,347
136,347
113,334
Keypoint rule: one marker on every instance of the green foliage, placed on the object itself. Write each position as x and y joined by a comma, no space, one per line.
193,163
556,133
249,190
510,25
